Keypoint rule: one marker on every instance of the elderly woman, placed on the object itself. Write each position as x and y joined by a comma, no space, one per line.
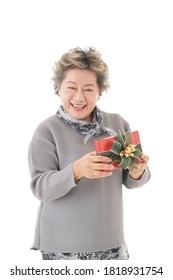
81,205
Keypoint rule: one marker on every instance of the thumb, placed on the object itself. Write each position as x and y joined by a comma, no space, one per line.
93,153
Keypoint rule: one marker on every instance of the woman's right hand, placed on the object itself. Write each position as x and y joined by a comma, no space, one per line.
92,166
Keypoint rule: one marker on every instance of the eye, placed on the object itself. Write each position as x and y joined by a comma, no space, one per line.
88,90
72,88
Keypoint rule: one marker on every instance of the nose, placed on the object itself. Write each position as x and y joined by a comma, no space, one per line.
79,95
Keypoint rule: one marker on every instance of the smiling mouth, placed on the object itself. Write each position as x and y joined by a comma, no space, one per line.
78,107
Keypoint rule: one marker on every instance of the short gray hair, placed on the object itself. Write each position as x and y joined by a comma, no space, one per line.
78,58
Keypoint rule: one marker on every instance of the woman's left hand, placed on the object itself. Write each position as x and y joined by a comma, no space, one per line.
137,173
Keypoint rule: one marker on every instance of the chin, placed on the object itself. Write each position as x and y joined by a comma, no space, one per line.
81,117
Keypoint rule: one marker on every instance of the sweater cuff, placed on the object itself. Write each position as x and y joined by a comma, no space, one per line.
134,183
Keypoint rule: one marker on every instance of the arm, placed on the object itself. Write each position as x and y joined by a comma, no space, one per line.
48,182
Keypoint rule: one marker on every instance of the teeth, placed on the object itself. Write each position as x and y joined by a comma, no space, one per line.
78,106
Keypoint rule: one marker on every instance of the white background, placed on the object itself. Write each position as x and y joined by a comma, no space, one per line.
136,40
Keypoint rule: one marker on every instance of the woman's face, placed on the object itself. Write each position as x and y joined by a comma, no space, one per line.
79,93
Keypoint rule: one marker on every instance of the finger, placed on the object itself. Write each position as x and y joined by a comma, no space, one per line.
101,174
145,158
140,167
103,167
93,153
101,159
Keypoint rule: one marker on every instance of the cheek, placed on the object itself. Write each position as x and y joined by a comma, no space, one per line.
64,99
93,100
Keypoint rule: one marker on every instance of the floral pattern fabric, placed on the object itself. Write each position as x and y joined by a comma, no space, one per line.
118,253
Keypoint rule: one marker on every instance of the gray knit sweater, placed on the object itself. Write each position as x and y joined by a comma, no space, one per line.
83,217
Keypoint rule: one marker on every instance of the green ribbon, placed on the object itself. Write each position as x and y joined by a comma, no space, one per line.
122,151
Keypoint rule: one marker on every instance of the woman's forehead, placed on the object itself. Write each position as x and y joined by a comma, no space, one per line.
81,75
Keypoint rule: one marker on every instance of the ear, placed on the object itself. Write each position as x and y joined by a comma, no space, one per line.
99,96
58,91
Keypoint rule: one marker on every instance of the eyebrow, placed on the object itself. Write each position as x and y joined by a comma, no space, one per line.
91,85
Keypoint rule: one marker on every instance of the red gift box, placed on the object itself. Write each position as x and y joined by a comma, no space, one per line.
104,145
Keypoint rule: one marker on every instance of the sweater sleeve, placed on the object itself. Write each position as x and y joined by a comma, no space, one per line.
47,181
131,183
